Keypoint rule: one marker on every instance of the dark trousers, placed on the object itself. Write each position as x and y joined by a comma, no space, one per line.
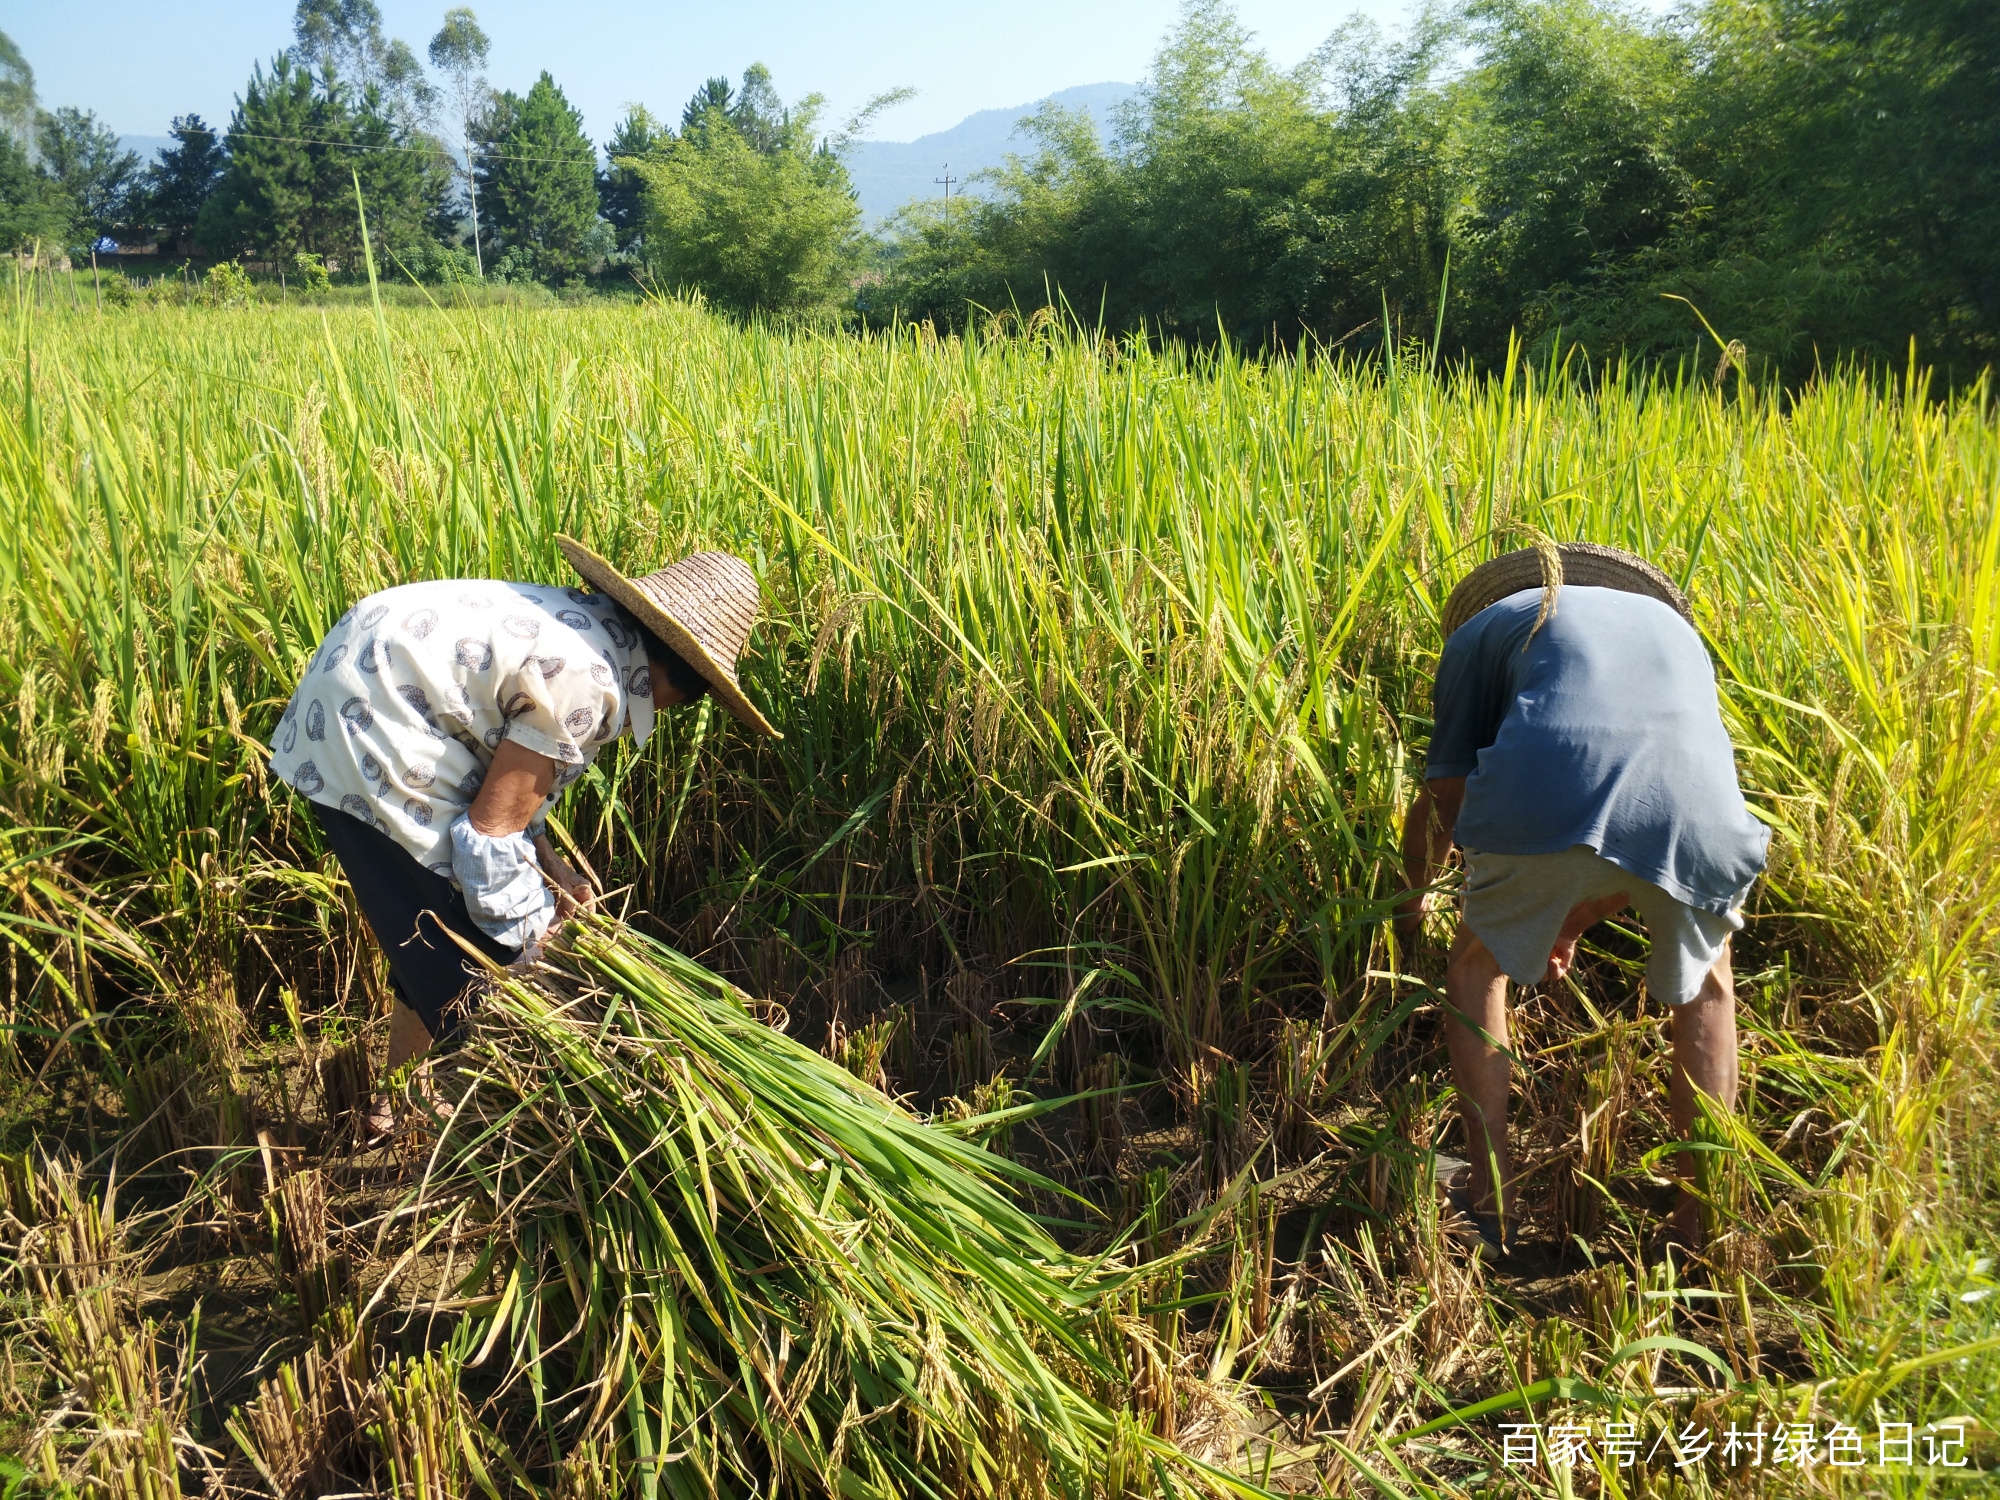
410,910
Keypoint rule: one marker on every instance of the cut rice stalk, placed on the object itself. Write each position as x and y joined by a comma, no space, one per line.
754,1270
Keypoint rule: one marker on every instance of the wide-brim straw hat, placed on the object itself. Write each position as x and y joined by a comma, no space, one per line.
703,606
1585,564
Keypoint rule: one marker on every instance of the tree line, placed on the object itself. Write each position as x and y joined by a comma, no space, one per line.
743,198
1814,179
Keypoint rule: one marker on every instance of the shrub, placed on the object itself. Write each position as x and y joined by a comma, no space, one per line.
310,273
227,285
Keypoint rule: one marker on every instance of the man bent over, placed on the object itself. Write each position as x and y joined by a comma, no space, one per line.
1579,760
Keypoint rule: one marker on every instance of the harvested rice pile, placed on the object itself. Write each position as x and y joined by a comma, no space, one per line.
720,1263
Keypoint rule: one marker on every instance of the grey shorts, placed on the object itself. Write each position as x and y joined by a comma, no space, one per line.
1515,904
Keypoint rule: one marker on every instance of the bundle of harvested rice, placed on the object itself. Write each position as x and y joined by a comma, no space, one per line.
755,1274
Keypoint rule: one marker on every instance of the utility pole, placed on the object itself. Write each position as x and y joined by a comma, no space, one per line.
472,186
947,180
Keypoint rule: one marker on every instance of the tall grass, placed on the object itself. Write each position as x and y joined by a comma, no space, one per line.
1102,670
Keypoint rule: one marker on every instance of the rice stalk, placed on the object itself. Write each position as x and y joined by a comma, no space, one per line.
754,1269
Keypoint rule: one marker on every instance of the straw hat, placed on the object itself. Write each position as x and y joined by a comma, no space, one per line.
703,607
1585,564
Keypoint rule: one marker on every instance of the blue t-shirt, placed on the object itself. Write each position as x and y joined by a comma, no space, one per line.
1605,731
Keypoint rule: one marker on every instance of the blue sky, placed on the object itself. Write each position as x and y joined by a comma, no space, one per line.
138,63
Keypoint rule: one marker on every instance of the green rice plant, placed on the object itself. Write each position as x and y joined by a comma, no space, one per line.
68,1278
864,1051
756,1270
423,1431
1104,672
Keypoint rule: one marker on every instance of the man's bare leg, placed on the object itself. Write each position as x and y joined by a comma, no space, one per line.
1477,990
408,1039
1704,1032
408,1036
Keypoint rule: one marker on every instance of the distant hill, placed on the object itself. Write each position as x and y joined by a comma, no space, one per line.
888,174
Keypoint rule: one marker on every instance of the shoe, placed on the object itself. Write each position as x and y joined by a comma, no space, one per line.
1482,1233
1486,1236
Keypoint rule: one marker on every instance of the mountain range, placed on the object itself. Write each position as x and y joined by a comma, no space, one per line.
888,174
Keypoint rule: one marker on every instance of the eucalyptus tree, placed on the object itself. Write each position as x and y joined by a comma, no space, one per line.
17,91
459,52
345,37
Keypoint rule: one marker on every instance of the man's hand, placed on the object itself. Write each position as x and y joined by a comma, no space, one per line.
574,893
1582,917
1427,832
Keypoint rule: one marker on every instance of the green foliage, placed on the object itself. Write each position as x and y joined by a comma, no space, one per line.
435,264
227,284
82,161
1849,157
749,210
538,179
1571,144
289,186
1819,176
310,273
32,209
180,182
619,185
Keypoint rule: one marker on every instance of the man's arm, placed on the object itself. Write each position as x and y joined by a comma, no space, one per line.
1427,834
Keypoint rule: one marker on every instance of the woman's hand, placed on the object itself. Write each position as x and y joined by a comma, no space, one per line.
574,892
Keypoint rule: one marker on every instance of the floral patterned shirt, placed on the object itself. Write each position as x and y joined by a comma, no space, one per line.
398,715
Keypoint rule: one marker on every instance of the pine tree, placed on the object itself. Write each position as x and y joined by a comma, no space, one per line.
293,160
179,183
538,179
713,96
638,137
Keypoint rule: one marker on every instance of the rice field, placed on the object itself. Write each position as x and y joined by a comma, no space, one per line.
1104,677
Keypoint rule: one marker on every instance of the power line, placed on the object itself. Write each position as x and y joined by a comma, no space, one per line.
301,140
